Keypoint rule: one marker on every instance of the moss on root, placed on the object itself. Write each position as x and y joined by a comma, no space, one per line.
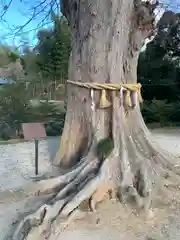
104,148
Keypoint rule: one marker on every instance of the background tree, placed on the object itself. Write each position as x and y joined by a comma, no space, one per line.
34,71
158,66
53,52
14,107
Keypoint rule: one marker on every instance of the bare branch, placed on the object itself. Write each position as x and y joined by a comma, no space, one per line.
39,8
34,15
5,9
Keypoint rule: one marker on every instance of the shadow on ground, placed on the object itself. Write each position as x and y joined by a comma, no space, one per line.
53,146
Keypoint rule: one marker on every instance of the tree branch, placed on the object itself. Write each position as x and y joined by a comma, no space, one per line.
6,7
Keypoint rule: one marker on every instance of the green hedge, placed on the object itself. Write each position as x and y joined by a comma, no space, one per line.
51,115
161,112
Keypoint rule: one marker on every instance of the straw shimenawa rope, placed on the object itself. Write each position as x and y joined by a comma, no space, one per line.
104,103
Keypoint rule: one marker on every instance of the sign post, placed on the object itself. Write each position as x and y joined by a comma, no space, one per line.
34,131
36,155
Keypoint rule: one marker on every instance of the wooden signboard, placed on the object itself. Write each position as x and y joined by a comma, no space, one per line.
34,131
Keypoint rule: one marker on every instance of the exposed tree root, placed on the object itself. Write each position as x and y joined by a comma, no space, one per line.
132,172
79,188
69,200
50,186
47,213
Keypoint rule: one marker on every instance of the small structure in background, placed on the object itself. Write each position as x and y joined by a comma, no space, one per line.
34,131
4,81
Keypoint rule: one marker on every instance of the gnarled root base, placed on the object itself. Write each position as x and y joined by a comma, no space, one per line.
92,182
133,170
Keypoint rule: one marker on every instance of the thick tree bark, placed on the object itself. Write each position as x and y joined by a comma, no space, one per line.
106,45
107,38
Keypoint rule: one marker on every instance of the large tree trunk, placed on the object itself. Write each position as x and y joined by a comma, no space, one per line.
107,38
106,43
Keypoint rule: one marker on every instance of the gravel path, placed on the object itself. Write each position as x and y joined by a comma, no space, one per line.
16,170
17,162
17,167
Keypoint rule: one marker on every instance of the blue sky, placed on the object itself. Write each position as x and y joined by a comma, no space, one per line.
19,13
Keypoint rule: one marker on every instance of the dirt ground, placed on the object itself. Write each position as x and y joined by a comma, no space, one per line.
116,220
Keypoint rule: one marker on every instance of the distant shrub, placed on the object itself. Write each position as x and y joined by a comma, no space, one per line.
5,131
54,128
52,115
160,111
